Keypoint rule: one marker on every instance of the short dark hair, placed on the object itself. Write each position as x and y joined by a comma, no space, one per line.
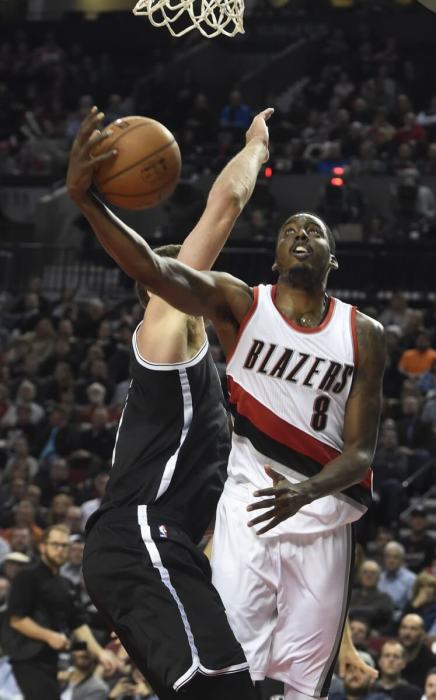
165,251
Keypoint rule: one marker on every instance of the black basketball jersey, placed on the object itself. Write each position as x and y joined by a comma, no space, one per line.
172,443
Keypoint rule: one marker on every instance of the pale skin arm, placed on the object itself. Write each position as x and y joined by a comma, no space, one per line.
29,628
349,656
108,660
362,416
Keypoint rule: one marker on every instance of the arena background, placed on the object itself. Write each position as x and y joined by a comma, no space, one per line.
353,138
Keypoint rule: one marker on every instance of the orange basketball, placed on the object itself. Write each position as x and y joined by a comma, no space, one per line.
145,170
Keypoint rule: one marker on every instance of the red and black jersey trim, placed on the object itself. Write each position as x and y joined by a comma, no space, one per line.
298,462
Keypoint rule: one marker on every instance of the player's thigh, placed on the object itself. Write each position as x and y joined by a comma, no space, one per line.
312,604
245,573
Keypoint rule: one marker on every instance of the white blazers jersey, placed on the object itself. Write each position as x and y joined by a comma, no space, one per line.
288,389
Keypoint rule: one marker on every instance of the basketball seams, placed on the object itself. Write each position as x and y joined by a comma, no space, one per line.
133,165
132,127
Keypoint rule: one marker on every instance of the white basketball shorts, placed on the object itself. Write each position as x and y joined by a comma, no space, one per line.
286,596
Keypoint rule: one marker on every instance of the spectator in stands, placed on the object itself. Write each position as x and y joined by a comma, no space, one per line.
58,437
358,684
54,479
396,580
397,313
13,563
5,586
21,540
41,611
99,439
360,630
419,545
392,662
423,600
367,600
58,510
428,415
391,466
430,685
81,680
73,520
89,506
419,659
24,516
236,114
427,381
416,362
72,569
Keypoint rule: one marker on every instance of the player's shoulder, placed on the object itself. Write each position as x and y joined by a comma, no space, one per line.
371,339
369,326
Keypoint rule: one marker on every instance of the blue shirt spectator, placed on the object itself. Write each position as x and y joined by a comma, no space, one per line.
396,580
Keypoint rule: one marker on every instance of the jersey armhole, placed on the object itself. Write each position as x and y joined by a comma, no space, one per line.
354,336
244,322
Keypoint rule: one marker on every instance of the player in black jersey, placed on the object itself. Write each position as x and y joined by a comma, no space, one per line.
142,567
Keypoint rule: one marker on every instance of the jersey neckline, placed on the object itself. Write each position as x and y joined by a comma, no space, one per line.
295,326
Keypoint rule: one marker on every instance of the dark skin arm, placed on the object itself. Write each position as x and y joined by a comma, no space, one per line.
362,415
218,296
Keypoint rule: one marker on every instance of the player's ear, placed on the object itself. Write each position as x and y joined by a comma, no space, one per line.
334,265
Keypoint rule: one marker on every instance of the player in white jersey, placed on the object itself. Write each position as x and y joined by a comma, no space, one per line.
305,379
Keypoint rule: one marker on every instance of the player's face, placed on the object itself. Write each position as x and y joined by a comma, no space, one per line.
303,246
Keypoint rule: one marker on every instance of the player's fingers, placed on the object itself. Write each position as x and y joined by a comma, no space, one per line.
272,474
273,491
267,113
98,136
102,157
89,126
275,521
262,504
261,518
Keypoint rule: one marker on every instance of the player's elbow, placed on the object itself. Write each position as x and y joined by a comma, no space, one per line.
361,462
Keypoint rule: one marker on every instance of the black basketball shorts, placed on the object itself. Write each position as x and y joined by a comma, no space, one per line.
153,586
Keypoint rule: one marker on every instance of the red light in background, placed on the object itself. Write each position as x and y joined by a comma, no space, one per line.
337,182
268,171
338,170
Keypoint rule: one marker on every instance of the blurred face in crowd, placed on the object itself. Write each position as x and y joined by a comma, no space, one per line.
73,520
392,660
59,470
393,557
60,505
100,484
24,513
12,568
422,342
82,660
34,494
356,682
18,488
430,687
21,540
369,574
359,632
418,523
55,550
76,553
410,405
411,631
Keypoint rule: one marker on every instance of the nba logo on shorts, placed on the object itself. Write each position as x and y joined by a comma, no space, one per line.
163,531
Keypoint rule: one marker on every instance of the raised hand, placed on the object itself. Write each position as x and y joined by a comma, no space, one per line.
81,164
258,129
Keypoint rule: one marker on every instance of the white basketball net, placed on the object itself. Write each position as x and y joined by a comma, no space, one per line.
210,17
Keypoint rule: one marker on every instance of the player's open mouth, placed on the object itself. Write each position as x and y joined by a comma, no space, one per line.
301,252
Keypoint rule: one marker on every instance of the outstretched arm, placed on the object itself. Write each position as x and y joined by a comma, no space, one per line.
229,194
362,415
227,198
192,292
